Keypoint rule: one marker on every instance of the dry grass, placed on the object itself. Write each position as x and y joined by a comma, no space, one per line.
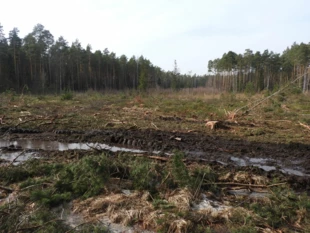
181,198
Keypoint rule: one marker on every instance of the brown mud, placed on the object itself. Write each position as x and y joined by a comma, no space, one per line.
290,160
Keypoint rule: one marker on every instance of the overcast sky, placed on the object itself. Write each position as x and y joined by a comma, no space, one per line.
189,31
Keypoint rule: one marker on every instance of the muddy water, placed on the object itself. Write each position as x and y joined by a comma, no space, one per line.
60,146
16,156
17,151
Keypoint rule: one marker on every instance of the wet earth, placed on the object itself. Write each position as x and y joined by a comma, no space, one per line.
272,159
291,159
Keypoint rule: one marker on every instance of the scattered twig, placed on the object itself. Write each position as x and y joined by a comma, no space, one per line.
94,148
154,125
152,157
14,160
164,180
34,185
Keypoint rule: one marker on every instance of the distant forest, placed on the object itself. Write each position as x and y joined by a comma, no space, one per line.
41,65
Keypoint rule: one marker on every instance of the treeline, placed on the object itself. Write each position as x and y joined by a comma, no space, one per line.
42,65
261,71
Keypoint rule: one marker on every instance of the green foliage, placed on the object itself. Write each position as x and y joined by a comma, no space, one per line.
281,97
13,174
67,95
142,81
85,178
205,174
250,88
162,204
40,220
143,175
244,229
284,208
179,170
49,198
296,90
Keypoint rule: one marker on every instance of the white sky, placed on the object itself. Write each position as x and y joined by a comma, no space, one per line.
190,31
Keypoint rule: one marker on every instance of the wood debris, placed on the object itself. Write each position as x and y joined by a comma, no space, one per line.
304,125
212,124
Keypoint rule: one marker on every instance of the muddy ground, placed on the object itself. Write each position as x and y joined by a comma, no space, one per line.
290,159
254,166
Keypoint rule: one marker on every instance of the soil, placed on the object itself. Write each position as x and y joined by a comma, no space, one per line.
290,159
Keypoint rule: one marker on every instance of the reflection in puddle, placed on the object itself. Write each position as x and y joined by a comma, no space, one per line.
266,168
261,163
11,155
17,157
60,146
238,161
293,172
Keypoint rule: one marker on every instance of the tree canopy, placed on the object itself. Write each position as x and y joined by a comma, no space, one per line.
45,65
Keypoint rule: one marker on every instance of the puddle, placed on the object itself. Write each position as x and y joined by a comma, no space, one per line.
293,172
264,164
9,150
10,155
267,168
238,161
17,157
60,146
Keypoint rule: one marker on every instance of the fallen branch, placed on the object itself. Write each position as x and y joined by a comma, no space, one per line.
258,102
34,185
6,189
154,125
304,125
247,185
14,160
152,157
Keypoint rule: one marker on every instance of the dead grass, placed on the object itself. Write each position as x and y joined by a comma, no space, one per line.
93,110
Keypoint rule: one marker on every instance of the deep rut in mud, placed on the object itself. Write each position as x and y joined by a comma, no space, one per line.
288,158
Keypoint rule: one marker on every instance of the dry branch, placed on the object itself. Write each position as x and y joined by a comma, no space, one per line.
153,157
6,189
304,125
247,185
